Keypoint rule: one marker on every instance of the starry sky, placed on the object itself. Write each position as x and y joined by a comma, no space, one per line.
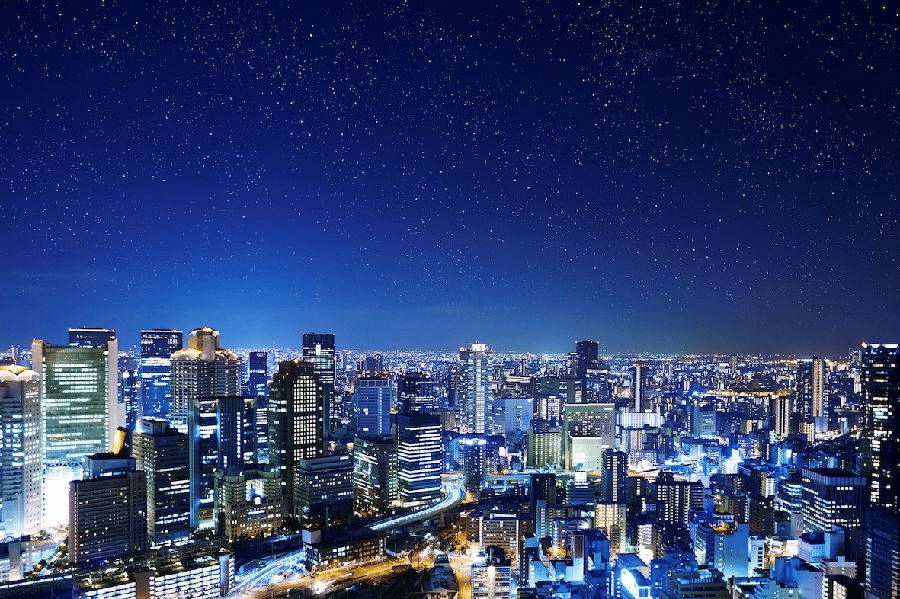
698,176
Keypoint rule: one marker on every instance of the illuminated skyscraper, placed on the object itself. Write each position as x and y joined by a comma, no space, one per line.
162,453
783,415
222,437
419,454
20,451
880,382
812,394
202,369
374,474
258,387
586,357
296,423
157,347
373,397
832,497
415,393
639,385
79,396
318,350
475,394
107,510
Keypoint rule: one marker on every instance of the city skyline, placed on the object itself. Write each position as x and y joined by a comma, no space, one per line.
687,178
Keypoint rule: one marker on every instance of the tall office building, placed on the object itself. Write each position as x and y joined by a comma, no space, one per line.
587,356
419,458
374,475
882,554
323,493
79,396
416,393
373,397
130,390
161,452
676,498
639,385
880,384
318,350
832,497
222,437
614,476
20,451
157,347
783,415
258,386
90,337
202,369
475,394
296,423
107,510
812,394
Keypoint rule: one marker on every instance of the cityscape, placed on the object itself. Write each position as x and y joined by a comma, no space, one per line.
424,299
187,469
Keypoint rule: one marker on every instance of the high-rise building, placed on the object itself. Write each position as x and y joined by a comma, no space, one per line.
323,493
373,397
20,451
91,337
130,390
614,476
202,369
222,437
882,554
161,452
588,429
475,393
258,386
587,356
812,394
832,497
639,385
79,397
675,499
318,350
374,475
296,423
416,393
107,510
157,347
783,415
880,385
247,503
419,454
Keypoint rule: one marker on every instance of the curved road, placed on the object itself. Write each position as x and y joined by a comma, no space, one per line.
248,584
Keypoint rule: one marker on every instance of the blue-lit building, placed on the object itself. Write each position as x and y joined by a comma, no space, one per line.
373,397
418,458
257,385
155,370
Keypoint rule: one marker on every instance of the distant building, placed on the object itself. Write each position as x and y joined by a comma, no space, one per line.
155,370
21,477
416,393
586,357
475,392
639,385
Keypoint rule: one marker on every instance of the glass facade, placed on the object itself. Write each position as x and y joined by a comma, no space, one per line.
157,347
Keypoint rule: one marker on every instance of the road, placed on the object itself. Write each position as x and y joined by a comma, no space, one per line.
255,582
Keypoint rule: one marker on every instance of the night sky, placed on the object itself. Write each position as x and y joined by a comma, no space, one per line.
423,174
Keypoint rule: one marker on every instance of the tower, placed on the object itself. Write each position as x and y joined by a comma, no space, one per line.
296,422
20,451
318,350
155,368
373,397
202,369
880,383
161,453
475,389
586,356
639,384
419,456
